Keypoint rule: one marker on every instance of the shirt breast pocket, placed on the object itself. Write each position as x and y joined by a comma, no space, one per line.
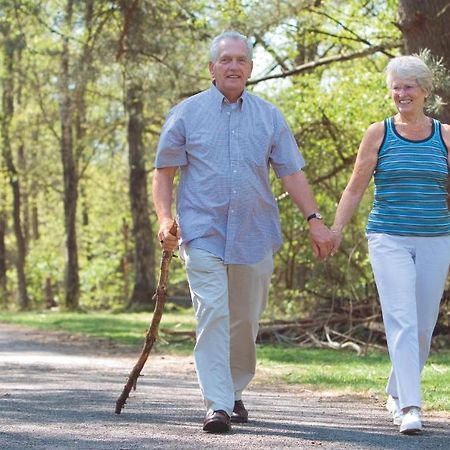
200,144
258,148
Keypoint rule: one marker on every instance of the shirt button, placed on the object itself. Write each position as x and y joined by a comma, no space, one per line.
234,171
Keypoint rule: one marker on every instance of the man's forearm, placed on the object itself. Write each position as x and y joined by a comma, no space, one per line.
162,192
300,192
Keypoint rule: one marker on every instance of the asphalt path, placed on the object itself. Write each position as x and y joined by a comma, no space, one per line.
59,391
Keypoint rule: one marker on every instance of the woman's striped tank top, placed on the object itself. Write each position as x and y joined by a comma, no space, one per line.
411,185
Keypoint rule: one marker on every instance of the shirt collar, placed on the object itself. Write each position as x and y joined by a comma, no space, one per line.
219,99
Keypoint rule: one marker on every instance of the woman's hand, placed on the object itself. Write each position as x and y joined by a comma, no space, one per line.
337,239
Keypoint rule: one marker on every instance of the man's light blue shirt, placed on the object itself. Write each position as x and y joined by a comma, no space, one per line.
225,204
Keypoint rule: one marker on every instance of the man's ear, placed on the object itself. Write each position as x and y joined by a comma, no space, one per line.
211,69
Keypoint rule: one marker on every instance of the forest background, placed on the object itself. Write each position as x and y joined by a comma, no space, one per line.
85,87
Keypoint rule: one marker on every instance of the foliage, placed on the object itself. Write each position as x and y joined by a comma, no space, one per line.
328,106
329,109
441,81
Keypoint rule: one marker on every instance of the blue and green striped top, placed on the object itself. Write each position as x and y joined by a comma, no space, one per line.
411,185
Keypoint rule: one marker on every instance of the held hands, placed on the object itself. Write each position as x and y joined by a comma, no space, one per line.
322,239
337,239
166,239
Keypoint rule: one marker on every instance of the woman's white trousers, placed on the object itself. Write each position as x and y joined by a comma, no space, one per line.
410,273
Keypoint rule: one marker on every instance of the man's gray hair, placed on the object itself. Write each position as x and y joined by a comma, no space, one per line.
410,67
214,48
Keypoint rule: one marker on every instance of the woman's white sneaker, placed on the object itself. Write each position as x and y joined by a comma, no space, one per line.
393,406
411,423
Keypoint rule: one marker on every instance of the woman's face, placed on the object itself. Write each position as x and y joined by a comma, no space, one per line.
407,95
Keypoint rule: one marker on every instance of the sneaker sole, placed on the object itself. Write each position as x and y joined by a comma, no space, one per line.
412,428
410,431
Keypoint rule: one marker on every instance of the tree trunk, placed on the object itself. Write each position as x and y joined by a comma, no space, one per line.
126,258
35,219
426,25
144,283
87,240
82,75
73,135
23,169
34,189
3,283
70,176
8,112
22,165
144,250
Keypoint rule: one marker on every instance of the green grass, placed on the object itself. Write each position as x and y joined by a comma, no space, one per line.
124,328
342,371
321,367
316,369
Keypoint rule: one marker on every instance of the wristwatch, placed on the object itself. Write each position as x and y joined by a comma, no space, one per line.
314,215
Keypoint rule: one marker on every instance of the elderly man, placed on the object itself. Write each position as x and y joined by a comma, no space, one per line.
224,140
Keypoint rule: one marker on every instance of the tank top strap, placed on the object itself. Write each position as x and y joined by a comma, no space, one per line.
389,124
438,136
436,128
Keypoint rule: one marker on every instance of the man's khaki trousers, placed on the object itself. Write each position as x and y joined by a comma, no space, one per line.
228,301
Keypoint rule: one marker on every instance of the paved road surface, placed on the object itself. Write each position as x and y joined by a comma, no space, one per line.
58,392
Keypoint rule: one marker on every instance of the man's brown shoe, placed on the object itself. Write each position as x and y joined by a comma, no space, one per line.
217,422
239,414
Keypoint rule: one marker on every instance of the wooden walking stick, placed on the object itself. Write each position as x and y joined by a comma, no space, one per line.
152,333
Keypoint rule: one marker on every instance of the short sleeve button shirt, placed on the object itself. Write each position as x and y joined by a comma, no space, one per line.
225,203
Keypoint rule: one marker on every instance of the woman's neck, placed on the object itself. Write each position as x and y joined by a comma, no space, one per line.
415,127
413,119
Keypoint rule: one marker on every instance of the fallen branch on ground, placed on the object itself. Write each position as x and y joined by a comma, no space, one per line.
360,329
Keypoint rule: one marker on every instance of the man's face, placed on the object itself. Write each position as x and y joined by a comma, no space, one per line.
232,68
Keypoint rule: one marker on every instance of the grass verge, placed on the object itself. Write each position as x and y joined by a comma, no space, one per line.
342,371
125,328
316,369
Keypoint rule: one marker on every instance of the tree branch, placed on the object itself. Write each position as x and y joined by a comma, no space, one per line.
271,50
325,61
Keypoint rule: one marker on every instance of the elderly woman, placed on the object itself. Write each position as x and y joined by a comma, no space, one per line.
408,229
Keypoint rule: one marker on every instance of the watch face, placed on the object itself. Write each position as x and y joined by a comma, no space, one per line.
318,216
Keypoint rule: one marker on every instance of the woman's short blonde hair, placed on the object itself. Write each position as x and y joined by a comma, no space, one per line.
410,67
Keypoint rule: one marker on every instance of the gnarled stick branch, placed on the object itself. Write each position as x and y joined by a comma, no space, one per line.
152,333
